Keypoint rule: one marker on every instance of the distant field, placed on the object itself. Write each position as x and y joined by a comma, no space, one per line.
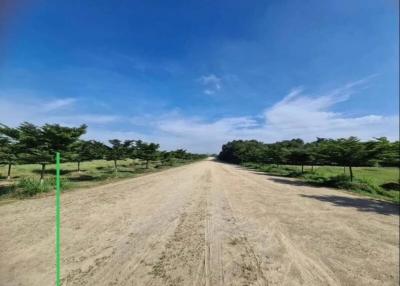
92,172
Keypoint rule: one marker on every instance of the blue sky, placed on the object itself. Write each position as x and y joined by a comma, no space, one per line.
195,74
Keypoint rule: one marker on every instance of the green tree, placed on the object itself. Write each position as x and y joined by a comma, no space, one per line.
348,152
276,154
9,147
299,156
166,157
387,153
147,151
240,151
118,151
40,144
83,150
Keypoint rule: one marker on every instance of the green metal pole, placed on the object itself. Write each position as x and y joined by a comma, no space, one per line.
58,190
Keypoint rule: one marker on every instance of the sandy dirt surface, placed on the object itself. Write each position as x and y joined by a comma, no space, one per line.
206,223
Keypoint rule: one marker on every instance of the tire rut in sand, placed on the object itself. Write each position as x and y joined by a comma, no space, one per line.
234,259
182,260
184,250
290,263
247,268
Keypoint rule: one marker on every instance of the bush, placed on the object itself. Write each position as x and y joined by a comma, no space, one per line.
251,165
7,189
391,186
341,181
316,179
366,186
294,173
28,187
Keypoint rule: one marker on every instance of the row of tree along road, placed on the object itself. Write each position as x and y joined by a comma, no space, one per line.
370,157
31,144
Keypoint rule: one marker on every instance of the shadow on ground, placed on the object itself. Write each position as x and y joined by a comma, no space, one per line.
6,189
83,178
289,182
361,204
52,171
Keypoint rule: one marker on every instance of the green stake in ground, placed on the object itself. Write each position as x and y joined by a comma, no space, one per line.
58,219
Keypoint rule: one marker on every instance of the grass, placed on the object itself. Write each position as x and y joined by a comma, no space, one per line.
368,181
25,178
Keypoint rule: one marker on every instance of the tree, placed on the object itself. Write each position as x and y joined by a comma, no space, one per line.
98,150
166,157
348,152
180,154
40,144
118,151
299,156
147,151
9,147
387,153
83,150
239,151
276,154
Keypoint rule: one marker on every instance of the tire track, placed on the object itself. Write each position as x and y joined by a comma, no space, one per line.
180,263
310,271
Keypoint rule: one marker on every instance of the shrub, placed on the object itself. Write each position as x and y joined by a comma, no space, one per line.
28,187
366,186
341,181
294,173
7,189
392,186
316,179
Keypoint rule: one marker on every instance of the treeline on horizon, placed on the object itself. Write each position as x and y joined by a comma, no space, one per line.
346,152
31,144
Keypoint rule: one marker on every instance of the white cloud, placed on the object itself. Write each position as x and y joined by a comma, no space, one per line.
211,83
39,111
84,119
298,114
305,116
58,104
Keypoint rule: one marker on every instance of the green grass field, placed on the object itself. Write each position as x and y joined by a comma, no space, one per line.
377,175
92,173
368,181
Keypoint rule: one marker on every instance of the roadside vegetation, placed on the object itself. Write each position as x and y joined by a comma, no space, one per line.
27,155
370,168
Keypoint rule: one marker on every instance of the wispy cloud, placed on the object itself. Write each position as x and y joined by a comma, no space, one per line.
309,116
39,110
58,104
298,114
211,83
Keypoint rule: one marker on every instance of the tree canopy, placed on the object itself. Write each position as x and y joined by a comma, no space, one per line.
348,152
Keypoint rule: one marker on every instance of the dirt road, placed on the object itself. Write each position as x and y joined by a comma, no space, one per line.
202,224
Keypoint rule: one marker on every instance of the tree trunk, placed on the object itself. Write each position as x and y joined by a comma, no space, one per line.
312,168
351,173
302,169
344,169
147,164
42,173
9,172
79,166
115,166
